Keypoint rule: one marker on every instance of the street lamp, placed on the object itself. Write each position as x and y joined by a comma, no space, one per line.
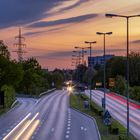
104,35
78,56
127,67
82,51
90,65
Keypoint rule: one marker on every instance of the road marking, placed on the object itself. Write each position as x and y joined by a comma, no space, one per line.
16,127
82,127
68,132
26,126
3,134
69,124
52,130
85,129
67,136
68,128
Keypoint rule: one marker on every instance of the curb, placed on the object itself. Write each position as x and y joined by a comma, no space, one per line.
90,118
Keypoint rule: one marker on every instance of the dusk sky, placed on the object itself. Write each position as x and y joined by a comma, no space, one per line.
53,27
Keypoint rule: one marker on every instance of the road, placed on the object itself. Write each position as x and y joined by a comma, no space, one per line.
117,108
46,118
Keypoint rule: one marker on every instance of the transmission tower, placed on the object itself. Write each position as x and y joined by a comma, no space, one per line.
20,46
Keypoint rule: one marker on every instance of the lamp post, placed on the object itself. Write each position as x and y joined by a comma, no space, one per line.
104,35
82,51
90,66
127,67
78,56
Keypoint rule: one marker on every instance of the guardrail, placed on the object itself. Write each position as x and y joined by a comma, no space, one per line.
35,96
47,92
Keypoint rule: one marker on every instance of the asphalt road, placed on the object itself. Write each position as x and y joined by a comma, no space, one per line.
48,118
117,109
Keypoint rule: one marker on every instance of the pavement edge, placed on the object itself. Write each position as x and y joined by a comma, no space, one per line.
90,118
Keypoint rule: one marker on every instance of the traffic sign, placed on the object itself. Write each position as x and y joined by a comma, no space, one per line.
107,121
107,114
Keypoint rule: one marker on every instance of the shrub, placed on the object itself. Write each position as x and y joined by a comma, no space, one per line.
9,95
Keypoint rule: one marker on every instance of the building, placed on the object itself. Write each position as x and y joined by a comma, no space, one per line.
98,60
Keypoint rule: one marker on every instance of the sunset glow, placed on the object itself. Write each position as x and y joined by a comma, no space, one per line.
52,28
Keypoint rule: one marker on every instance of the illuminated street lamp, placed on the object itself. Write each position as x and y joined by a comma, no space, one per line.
90,65
127,69
104,35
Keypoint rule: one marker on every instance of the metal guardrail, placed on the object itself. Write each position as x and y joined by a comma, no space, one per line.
46,92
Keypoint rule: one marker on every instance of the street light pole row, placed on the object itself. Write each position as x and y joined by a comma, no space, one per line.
104,37
90,66
82,52
127,67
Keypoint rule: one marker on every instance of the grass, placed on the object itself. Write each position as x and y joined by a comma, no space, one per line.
76,101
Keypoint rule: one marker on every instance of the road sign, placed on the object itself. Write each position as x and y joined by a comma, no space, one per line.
107,114
107,121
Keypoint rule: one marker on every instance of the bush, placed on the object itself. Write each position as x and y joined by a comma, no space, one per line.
9,95
135,93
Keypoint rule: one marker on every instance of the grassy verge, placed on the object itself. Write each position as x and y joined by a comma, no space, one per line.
76,101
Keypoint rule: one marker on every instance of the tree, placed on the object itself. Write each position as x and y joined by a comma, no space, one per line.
4,50
11,73
120,85
89,75
33,81
134,66
79,73
135,93
58,79
116,66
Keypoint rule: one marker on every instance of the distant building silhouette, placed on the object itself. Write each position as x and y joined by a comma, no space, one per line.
98,60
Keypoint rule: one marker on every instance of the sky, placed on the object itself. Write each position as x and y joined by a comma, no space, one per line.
52,28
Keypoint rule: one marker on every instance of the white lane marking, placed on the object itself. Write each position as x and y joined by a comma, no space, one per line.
3,134
26,126
69,124
67,136
68,132
69,121
52,130
68,128
32,137
16,127
82,127
85,129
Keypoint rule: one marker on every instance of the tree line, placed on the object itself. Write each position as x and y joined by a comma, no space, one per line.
116,69
26,77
